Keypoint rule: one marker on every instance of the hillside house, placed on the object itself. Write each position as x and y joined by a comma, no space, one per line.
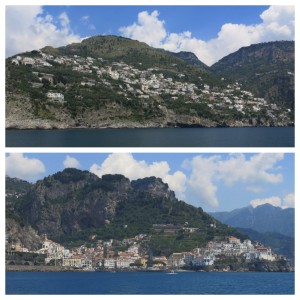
55,97
15,62
28,61
234,240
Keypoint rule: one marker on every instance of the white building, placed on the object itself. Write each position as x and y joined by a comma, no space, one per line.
133,249
74,262
108,263
55,96
124,262
28,61
200,261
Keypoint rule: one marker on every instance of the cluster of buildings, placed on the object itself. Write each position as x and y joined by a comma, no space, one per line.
104,255
148,83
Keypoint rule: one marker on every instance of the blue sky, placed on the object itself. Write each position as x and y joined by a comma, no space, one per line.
211,32
216,182
205,21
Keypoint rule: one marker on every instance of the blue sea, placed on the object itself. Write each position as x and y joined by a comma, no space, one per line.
154,137
149,283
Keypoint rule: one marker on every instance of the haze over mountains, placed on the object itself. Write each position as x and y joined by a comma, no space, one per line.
263,218
271,225
109,81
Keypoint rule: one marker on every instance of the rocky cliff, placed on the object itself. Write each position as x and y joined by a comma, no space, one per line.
78,205
266,69
20,115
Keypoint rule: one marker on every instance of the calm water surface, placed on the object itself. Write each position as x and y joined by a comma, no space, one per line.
146,283
153,137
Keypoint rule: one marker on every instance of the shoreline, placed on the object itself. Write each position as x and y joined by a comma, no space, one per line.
125,127
45,269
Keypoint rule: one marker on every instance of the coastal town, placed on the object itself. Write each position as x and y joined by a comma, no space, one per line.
145,85
105,256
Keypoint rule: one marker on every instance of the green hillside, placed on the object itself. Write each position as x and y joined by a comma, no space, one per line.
75,207
109,81
266,69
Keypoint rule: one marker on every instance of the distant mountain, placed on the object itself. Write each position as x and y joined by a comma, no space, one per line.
191,59
266,69
77,206
263,218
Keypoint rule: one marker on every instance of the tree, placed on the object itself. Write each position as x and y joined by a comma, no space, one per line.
46,83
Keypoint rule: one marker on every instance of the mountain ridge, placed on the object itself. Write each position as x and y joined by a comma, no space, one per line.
75,205
263,218
109,81
266,69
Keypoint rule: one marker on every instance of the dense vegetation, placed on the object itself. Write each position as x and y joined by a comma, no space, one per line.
266,69
75,207
93,100
16,186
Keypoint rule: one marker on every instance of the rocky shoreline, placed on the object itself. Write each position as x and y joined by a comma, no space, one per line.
47,126
19,115
259,266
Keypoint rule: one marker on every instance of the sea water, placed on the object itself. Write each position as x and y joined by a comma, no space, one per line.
153,137
146,283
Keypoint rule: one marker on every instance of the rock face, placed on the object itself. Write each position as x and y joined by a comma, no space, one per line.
22,234
74,200
71,201
76,205
266,69
271,52
278,266
20,118
257,266
191,59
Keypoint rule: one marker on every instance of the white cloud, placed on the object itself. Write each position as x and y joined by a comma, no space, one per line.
148,29
64,21
287,202
87,23
277,24
123,163
255,189
85,18
22,167
207,171
200,182
71,162
238,168
28,28
275,201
